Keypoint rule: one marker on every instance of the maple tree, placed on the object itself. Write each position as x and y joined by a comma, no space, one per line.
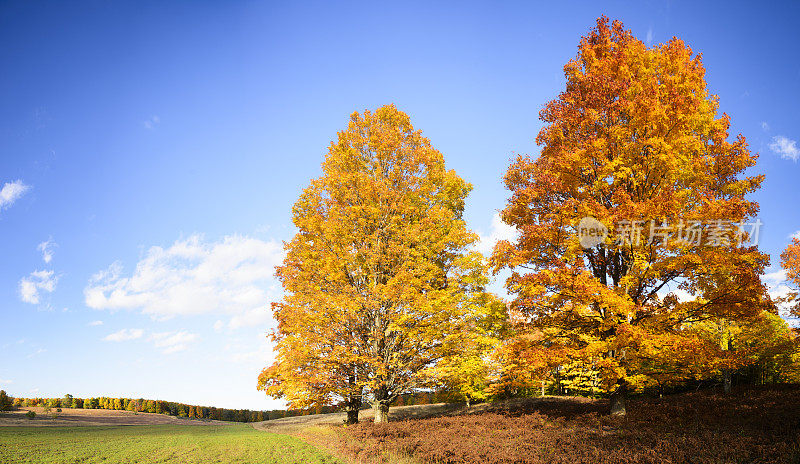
634,137
790,261
381,277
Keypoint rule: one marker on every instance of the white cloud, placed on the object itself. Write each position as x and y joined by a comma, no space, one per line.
251,318
232,277
152,122
499,231
38,281
173,342
764,126
11,192
777,286
253,351
263,357
649,36
774,278
95,323
124,335
785,147
6,382
46,248
33,390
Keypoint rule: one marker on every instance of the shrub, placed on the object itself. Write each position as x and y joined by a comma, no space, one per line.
5,401
30,414
757,425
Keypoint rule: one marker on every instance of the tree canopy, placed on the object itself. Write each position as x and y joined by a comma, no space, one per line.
381,278
634,144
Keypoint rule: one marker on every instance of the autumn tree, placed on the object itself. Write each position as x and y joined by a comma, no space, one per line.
634,143
763,348
790,261
5,401
464,372
380,275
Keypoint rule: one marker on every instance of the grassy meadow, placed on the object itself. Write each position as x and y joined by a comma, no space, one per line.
235,443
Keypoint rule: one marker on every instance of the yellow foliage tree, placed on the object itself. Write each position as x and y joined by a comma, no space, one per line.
381,276
464,370
634,142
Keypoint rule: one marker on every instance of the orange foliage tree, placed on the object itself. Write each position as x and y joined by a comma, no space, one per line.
381,278
634,142
790,261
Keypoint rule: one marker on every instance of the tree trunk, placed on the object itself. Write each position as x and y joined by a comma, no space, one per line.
352,407
542,387
352,416
468,401
353,402
381,409
619,401
726,380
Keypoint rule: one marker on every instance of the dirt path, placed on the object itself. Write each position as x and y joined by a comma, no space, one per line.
296,424
86,417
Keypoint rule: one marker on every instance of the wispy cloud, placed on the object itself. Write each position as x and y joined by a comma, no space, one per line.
173,342
37,352
46,248
151,122
11,192
649,37
785,147
231,277
31,287
124,335
6,382
764,126
95,323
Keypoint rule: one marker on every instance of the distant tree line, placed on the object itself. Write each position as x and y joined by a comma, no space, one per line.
168,408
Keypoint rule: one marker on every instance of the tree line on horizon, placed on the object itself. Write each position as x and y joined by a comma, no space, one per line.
172,408
169,408
385,292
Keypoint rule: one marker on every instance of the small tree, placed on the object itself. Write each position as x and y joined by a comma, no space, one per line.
790,261
5,401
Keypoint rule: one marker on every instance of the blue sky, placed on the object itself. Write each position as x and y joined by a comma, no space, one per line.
150,154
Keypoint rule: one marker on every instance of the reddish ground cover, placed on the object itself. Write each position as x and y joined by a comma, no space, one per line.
752,425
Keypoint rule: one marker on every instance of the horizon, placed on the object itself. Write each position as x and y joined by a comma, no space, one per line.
152,154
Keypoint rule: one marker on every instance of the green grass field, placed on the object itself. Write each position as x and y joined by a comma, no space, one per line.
237,443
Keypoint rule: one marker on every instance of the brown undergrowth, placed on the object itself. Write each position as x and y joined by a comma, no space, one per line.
751,425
